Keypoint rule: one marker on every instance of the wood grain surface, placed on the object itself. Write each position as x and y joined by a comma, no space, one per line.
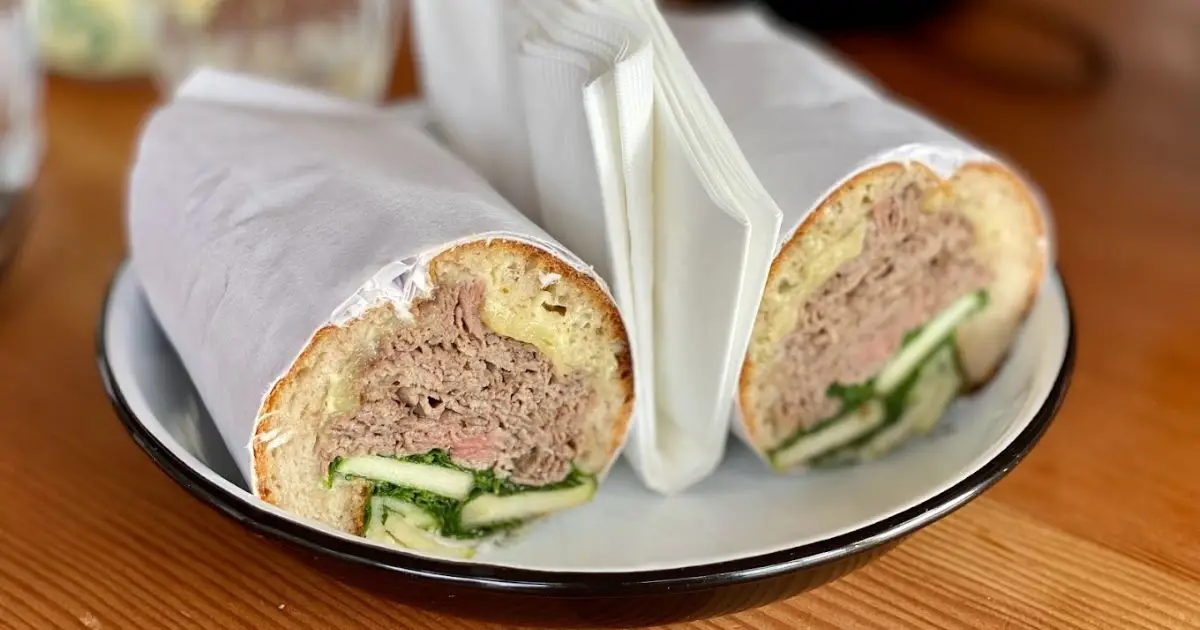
1098,528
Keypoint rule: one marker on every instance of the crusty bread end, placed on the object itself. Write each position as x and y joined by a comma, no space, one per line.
1009,232
570,319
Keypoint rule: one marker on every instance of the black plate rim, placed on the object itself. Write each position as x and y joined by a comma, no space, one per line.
504,579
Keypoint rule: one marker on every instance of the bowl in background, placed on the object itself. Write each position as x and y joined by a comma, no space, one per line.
90,39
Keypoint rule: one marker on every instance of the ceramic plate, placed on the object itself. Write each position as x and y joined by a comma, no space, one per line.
742,538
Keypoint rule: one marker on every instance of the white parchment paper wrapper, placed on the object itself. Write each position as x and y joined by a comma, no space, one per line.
806,121
257,214
468,43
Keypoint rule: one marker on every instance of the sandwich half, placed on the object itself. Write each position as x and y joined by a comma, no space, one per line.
897,293
501,395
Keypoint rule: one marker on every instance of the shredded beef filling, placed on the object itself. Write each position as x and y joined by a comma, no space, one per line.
913,265
450,383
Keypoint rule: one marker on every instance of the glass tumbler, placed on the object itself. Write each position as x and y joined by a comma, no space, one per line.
344,47
20,124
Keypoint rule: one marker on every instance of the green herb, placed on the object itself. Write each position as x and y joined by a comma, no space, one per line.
895,404
802,432
444,509
435,457
984,297
366,520
854,395
330,472
897,401
487,482
447,511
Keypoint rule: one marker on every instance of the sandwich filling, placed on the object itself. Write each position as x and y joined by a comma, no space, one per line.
916,269
460,432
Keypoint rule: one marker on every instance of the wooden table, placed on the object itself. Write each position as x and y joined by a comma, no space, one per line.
1098,528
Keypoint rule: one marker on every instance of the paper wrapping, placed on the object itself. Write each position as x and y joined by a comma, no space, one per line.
257,214
806,121
469,42
632,164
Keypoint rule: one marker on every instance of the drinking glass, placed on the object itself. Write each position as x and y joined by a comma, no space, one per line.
20,124
345,47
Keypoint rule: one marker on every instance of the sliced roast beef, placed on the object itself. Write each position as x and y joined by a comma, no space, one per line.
450,383
913,264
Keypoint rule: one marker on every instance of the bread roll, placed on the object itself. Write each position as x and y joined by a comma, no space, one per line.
513,367
910,260
886,253
387,347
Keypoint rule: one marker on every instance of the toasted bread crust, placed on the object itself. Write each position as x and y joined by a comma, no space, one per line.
751,423
1035,218
1031,205
266,422
597,297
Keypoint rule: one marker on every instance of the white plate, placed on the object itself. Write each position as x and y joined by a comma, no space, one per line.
742,518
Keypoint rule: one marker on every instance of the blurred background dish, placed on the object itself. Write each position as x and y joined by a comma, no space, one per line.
90,39
1010,45
345,47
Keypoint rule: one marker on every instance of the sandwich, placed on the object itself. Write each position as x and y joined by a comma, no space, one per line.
900,291
910,256
499,396
387,347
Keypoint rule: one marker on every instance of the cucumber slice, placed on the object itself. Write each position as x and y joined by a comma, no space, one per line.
941,383
864,419
447,482
374,527
490,509
937,384
902,364
407,535
416,516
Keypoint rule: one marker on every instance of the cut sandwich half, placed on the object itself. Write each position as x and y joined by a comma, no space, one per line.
500,397
898,292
